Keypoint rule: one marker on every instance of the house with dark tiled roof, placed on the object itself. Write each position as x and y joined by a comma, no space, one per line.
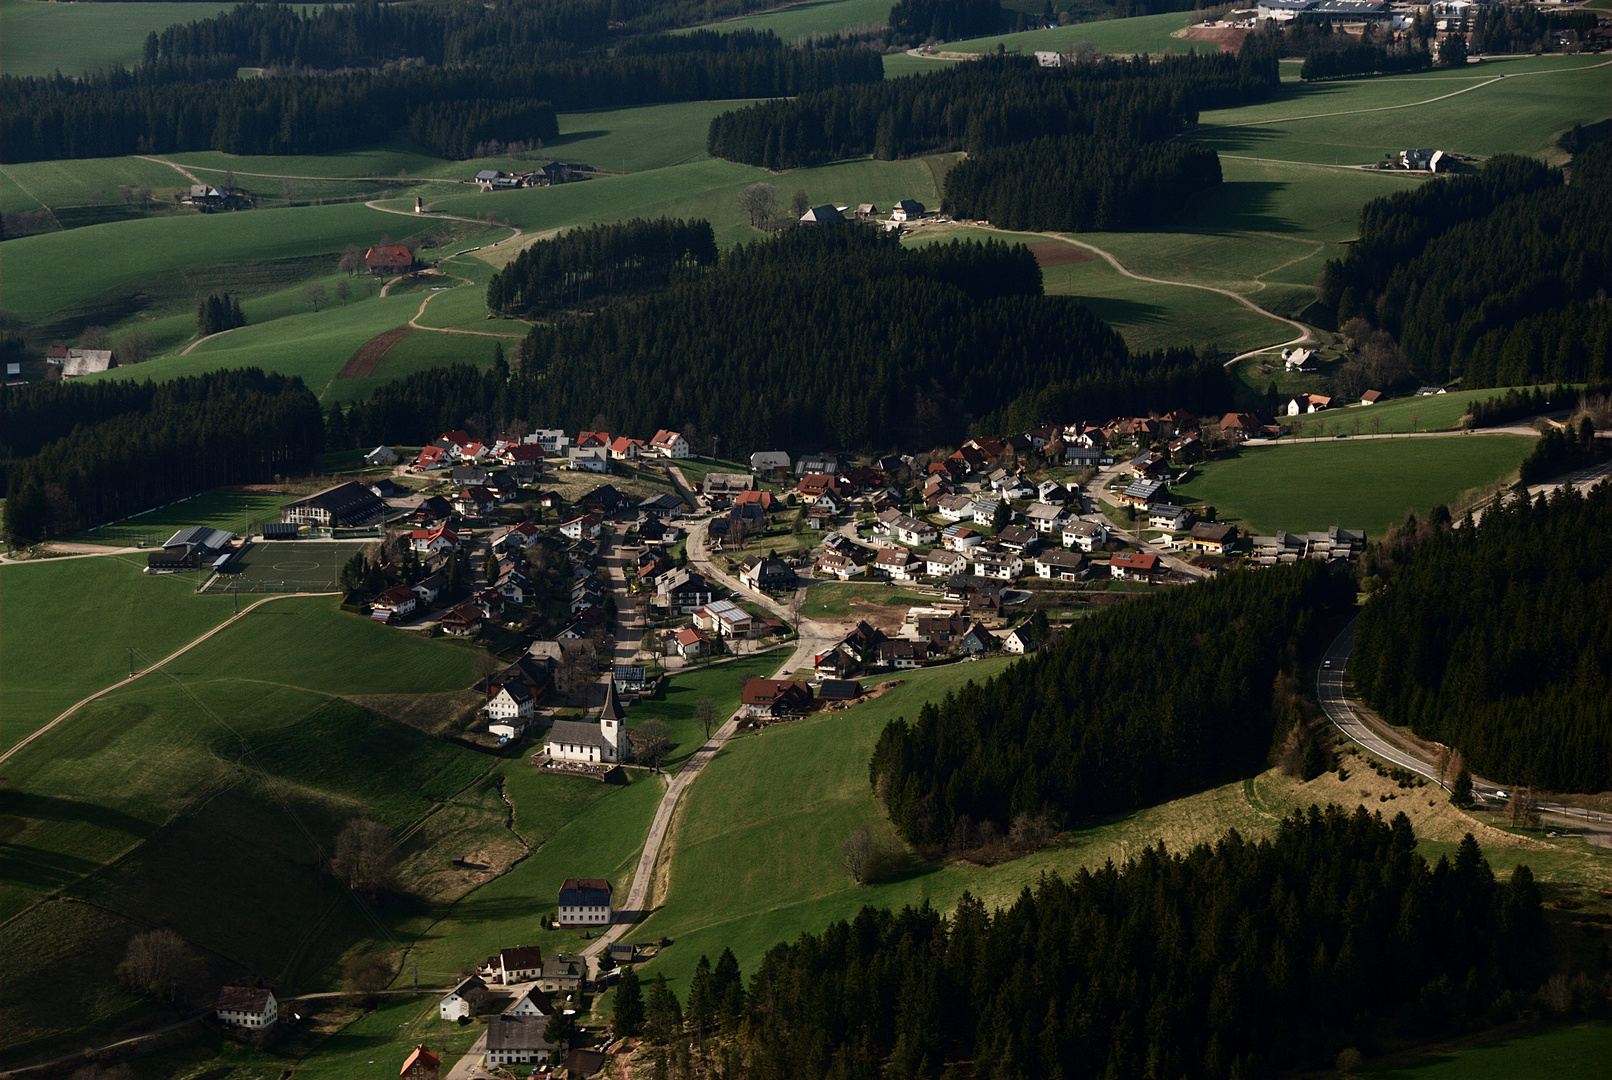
251,1007
585,902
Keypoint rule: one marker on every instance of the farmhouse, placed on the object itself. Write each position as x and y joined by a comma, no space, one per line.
391,259
1371,397
518,1040
1298,359
907,210
775,697
422,1064
348,505
464,1000
1134,566
86,362
585,902
516,965
822,215
247,1007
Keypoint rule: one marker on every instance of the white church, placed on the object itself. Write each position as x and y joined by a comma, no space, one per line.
602,743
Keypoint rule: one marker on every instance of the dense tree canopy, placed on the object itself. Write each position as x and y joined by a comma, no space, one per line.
1136,705
192,434
1497,640
1246,959
913,22
1497,277
584,265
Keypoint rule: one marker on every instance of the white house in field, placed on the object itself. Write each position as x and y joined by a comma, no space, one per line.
247,1007
602,743
463,1000
585,902
669,444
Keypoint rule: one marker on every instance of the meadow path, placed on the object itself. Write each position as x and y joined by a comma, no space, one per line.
148,670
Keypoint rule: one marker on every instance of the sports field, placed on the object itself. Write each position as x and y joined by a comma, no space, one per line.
288,566
1357,483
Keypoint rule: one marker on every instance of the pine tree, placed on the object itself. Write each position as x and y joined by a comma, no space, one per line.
701,1012
628,1018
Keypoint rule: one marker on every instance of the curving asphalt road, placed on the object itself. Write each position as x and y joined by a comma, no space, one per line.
1331,690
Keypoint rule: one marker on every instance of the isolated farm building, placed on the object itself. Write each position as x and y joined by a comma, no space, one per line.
585,902
518,1040
775,697
866,211
907,210
421,1064
391,259
1422,160
1215,538
1049,59
381,455
464,1000
87,362
205,195
1298,359
1307,403
822,215
1371,397
247,1007
1060,565
1134,566
346,505
1429,391
1085,535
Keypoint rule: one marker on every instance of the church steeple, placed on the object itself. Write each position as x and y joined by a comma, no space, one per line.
612,705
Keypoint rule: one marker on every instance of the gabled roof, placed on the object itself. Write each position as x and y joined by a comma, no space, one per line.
421,1055
247,999
517,1033
585,892
392,255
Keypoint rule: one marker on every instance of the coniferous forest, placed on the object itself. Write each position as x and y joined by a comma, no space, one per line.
1493,277
1497,641
586,264
1160,697
1242,960
143,445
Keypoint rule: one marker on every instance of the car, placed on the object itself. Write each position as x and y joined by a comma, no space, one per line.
1502,795
1341,435
1326,663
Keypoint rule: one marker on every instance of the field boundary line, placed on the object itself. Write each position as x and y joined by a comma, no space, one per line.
43,205
180,169
146,671
186,350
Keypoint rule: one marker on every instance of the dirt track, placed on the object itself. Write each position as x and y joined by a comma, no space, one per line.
372,352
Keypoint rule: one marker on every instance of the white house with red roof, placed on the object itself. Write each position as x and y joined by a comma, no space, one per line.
587,526
442,537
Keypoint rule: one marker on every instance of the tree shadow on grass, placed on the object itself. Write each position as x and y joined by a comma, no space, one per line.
40,870
21,805
1238,206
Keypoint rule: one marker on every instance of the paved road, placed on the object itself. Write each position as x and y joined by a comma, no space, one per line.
1331,690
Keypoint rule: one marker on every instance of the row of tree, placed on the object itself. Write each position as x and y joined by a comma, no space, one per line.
1497,640
456,129
1078,183
913,22
1559,452
1144,703
1493,277
217,312
1515,28
1516,405
584,265
1242,959
119,112
991,102
195,433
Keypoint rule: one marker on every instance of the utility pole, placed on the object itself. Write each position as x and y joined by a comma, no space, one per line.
237,593
416,978
131,661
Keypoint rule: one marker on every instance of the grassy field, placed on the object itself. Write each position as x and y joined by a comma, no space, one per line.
675,700
96,608
832,599
756,843
1570,1053
1442,412
1334,123
811,18
77,39
1143,34
235,511
1357,483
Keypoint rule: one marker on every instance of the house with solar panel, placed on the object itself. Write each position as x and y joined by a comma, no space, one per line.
585,902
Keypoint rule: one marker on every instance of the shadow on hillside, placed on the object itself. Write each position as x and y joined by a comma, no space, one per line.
27,804
40,870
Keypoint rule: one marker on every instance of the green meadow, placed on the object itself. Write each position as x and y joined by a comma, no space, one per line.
77,39
1142,34
811,18
1365,484
676,698
1569,1053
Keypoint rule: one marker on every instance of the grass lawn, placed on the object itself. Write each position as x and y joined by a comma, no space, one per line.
1143,34
233,510
1570,1053
832,599
1441,412
677,697
95,608
1357,483
1522,113
76,182
77,39
811,18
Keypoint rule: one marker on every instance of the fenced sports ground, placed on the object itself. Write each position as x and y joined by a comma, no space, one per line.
287,566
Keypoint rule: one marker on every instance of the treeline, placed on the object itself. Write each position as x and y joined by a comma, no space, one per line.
1497,640
1176,374
914,22
991,102
1135,706
1558,452
1364,59
1331,52
602,260
832,336
1077,183
195,433
1515,28
455,129
1493,277
1243,959
1511,406
145,111
218,312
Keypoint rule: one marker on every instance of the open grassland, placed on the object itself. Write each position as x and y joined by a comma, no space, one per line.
1357,483
811,18
757,841
66,626
1571,1053
77,39
834,599
235,511
1334,123
84,181
1143,34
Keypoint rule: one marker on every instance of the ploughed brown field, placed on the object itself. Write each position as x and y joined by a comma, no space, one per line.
1057,253
369,355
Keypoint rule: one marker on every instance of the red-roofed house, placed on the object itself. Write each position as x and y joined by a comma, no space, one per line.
432,457
1134,566
431,541
691,643
422,1064
391,259
625,449
1237,425
600,439
775,697
670,444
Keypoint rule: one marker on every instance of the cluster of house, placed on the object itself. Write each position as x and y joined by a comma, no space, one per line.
927,634
528,983
555,172
591,451
830,214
